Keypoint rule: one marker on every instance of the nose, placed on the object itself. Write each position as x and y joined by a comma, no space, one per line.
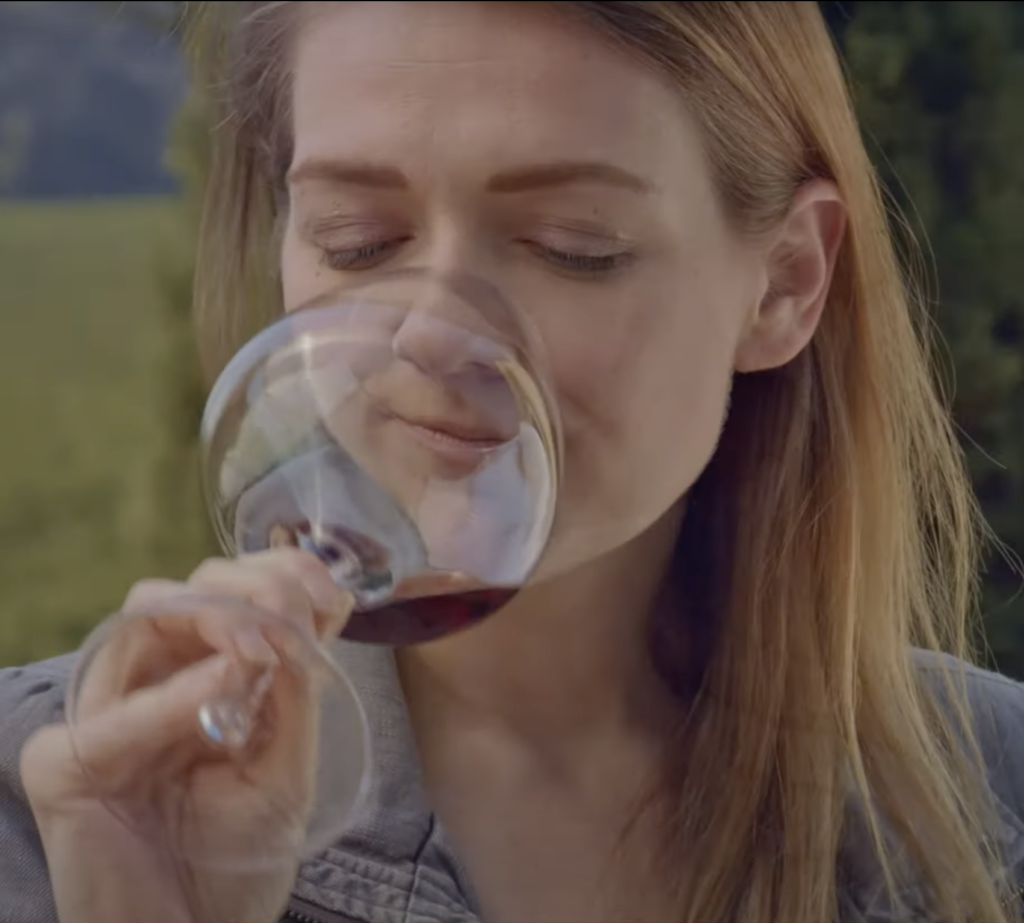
436,347
442,336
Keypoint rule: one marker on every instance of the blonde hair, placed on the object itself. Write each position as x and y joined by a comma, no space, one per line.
833,531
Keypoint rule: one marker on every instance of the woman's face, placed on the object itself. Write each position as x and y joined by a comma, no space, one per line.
502,140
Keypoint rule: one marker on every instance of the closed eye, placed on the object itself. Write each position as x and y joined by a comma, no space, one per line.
355,258
582,263
368,256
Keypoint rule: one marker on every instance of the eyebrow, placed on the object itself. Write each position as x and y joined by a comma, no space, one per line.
349,173
521,179
565,173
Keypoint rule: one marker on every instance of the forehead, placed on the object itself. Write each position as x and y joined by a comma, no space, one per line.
479,81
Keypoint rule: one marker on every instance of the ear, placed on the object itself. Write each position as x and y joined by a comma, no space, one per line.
800,263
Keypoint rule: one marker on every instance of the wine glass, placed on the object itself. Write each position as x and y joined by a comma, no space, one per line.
404,432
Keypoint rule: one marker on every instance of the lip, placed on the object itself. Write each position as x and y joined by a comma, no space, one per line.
459,448
444,433
455,432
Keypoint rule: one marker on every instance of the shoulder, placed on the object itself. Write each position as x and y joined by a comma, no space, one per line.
30,697
996,713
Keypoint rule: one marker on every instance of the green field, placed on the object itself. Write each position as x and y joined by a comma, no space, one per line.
81,335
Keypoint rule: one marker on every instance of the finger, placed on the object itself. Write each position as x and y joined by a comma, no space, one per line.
287,709
146,593
113,747
285,753
167,627
126,652
308,709
270,588
331,605
273,681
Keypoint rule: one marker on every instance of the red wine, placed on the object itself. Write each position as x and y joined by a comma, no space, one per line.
425,618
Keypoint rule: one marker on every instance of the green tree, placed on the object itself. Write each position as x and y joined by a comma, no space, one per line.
940,90
182,534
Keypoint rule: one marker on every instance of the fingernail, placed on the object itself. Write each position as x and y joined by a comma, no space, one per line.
255,648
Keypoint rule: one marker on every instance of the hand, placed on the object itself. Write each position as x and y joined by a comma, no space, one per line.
137,754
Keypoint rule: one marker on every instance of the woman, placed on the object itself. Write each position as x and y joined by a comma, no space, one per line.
738,710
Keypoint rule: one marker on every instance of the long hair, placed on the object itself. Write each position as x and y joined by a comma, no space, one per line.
832,533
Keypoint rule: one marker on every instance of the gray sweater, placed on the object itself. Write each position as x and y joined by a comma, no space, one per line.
395,864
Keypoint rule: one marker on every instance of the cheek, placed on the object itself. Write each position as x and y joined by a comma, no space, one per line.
643,405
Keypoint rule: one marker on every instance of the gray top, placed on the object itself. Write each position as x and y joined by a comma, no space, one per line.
394,865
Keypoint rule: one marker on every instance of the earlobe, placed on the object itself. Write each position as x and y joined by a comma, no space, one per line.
800,265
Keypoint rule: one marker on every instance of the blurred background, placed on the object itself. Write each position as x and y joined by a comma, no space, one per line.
102,153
